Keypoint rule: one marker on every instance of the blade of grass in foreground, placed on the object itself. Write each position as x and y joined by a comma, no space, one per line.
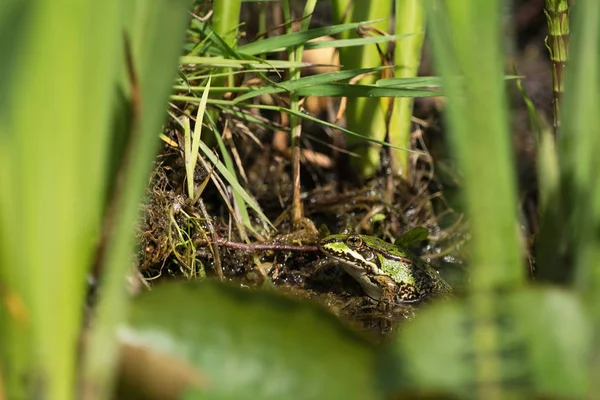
155,30
579,145
54,173
466,40
472,75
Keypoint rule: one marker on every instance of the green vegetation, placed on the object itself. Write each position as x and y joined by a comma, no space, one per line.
83,103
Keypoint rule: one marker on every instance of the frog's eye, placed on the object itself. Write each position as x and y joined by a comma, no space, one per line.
354,241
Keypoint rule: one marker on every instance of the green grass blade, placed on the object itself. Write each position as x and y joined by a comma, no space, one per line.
190,163
477,104
467,42
239,200
156,29
341,43
240,63
357,91
308,81
234,183
283,42
424,81
54,182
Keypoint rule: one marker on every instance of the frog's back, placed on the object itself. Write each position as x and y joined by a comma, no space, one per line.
432,282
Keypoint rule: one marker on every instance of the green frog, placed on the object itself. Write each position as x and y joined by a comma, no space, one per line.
388,273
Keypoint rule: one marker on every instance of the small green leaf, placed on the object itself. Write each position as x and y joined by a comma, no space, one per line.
413,238
378,217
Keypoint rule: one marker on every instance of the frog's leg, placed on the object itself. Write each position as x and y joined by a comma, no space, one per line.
393,293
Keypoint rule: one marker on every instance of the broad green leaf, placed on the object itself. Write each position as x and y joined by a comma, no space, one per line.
253,344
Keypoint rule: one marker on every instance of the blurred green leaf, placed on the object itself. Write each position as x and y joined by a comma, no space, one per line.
55,169
578,144
473,81
151,34
253,344
544,339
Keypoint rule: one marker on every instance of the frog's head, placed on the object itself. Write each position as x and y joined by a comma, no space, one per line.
351,251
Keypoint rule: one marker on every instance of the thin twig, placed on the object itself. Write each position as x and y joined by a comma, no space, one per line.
261,246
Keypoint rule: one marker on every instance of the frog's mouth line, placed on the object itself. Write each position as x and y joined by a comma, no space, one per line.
356,264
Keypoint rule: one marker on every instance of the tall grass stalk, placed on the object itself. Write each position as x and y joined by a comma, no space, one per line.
55,169
295,55
467,46
225,23
364,115
295,122
557,15
410,20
